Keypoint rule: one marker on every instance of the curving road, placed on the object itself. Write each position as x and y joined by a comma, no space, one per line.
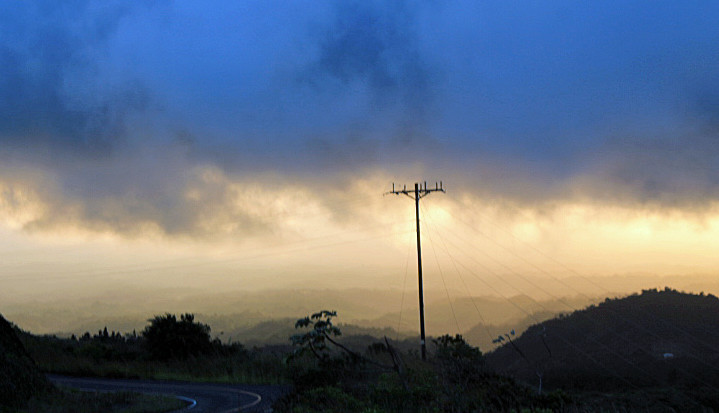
202,397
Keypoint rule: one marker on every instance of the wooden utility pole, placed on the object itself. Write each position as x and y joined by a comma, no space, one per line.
419,193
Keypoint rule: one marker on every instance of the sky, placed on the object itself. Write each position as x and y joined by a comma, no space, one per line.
248,145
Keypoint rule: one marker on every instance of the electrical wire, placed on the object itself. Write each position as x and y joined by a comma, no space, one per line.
625,319
464,283
444,283
580,275
576,310
404,288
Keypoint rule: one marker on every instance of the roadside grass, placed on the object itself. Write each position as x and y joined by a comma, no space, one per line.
66,400
255,367
259,369
62,356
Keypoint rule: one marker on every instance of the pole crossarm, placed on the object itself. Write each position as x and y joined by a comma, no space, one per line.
418,193
422,191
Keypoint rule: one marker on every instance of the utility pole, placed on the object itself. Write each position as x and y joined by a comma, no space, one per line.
419,193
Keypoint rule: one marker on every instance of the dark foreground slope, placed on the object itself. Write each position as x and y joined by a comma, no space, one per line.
20,379
656,339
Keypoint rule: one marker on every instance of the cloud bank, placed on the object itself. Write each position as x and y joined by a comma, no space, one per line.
158,116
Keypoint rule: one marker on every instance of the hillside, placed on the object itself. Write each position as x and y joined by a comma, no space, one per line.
19,377
659,338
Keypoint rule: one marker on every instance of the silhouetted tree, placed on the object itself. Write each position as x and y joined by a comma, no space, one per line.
334,358
167,338
460,366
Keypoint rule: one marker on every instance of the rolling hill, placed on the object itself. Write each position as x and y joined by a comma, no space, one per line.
659,338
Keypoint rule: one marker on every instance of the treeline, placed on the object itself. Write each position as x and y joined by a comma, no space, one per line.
165,338
170,347
104,336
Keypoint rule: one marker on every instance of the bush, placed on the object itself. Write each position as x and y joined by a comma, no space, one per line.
321,399
167,338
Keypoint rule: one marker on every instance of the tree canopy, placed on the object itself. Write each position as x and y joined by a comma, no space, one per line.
167,338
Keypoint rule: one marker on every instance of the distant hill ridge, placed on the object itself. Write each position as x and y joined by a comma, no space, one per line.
659,338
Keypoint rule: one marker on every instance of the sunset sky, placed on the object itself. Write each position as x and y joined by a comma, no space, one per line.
247,145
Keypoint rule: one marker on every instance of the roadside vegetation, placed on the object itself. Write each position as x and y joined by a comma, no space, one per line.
580,362
170,348
329,377
24,389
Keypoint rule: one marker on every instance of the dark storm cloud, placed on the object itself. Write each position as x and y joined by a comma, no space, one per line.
586,98
376,43
374,47
680,171
613,101
48,54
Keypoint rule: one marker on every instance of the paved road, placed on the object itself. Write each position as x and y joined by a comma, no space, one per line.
203,397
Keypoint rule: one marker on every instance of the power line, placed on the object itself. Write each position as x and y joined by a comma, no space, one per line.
605,346
615,333
459,274
404,288
627,320
573,271
444,282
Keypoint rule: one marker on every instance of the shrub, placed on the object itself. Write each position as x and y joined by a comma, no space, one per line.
167,338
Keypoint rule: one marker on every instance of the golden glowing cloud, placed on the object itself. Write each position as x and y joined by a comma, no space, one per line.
241,232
